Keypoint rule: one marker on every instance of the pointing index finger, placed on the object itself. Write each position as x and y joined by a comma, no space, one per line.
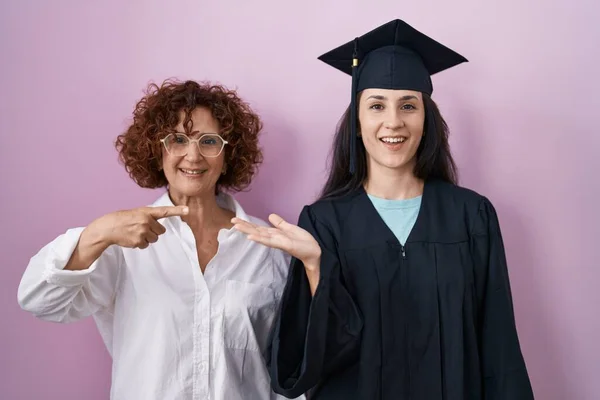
167,211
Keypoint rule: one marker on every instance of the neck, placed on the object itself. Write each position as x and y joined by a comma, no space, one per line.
204,210
393,184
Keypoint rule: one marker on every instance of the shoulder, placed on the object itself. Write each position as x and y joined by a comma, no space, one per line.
455,193
476,209
455,196
331,210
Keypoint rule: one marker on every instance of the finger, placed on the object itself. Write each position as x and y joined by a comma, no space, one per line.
142,244
166,211
273,231
151,237
278,222
248,230
266,240
245,227
263,233
156,227
238,221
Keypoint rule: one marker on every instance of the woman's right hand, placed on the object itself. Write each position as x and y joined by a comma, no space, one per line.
135,228
290,238
284,236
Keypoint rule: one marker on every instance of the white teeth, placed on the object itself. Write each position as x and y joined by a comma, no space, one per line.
393,140
192,171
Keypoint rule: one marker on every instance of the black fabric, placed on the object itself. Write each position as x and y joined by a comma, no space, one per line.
432,319
394,56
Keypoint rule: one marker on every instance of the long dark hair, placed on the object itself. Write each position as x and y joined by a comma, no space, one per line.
434,159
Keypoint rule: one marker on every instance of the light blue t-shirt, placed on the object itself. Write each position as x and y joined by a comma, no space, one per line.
399,215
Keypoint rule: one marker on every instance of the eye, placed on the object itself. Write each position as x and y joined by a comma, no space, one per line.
179,139
408,107
376,106
209,141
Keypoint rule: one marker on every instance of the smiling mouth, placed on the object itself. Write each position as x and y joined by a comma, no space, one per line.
193,172
393,140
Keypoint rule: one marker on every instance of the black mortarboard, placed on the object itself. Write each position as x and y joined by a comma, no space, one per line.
392,56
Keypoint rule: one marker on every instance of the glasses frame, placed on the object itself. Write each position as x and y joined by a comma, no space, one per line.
197,141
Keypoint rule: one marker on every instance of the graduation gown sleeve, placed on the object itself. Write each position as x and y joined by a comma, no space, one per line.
503,367
313,335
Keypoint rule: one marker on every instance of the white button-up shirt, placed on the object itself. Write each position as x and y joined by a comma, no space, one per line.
173,332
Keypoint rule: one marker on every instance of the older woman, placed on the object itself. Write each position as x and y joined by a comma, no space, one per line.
184,303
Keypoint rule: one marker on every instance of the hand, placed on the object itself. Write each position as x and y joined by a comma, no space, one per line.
284,236
135,228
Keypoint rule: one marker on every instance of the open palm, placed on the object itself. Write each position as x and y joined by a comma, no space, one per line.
284,236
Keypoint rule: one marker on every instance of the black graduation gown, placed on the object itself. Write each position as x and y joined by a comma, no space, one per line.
432,319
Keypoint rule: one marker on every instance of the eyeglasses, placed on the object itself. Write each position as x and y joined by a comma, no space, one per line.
209,144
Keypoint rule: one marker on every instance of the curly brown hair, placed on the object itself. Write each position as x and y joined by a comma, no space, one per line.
158,112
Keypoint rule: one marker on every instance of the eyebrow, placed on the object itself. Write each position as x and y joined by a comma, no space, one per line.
185,133
196,133
403,98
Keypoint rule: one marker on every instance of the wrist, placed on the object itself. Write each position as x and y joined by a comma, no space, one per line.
93,236
312,264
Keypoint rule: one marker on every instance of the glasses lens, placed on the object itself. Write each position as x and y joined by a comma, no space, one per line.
211,145
177,144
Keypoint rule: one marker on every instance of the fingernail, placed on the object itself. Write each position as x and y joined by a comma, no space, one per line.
186,210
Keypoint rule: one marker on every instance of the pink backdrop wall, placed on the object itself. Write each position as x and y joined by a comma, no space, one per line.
523,114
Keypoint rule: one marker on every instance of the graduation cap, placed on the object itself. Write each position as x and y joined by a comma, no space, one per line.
392,56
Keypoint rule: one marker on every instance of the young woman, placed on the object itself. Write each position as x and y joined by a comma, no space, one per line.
399,287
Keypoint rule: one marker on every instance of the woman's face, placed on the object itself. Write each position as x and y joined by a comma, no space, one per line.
391,127
192,174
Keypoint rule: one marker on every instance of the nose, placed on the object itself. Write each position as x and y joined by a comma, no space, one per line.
193,153
393,119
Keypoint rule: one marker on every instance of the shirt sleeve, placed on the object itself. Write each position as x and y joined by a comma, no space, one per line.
51,293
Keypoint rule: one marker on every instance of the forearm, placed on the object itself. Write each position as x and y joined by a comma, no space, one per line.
89,248
313,273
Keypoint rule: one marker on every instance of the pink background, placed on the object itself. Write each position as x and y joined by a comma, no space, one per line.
523,114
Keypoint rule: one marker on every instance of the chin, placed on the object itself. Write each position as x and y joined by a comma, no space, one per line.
398,163
394,164
192,191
